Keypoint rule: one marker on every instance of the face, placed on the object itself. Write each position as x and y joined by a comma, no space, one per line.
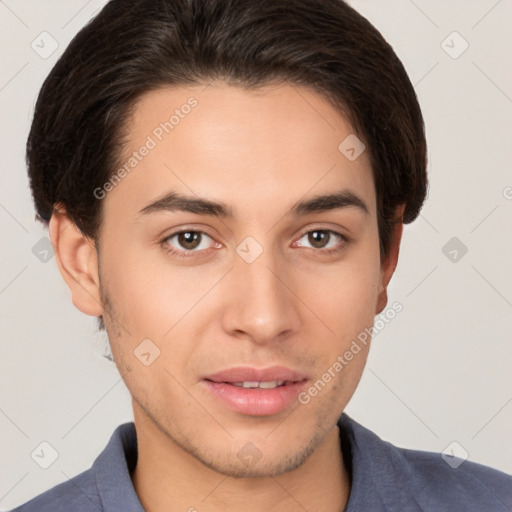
261,284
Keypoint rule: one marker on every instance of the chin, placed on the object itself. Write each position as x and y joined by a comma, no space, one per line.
250,462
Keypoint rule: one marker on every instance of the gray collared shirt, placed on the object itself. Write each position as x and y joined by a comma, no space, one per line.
384,478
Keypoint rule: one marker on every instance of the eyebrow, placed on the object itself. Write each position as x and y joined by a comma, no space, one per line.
322,203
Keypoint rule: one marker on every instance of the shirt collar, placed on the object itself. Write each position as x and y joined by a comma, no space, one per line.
113,468
379,473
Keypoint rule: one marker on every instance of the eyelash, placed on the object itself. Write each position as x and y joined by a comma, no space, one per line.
188,254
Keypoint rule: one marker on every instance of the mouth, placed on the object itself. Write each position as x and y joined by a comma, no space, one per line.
256,392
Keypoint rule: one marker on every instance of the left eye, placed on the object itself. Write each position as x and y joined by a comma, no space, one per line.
320,239
189,240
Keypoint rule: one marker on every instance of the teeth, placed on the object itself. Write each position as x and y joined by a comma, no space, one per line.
271,385
250,384
263,385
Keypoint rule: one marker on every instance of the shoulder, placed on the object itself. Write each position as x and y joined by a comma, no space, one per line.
423,481
106,485
78,494
454,484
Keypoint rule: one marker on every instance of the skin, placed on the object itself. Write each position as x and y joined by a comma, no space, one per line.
259,152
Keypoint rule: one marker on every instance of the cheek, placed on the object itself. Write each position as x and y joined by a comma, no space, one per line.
346,293
149,294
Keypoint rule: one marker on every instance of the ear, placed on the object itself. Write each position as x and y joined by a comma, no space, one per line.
388,264
77,260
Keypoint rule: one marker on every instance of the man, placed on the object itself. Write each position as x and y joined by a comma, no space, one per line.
225,184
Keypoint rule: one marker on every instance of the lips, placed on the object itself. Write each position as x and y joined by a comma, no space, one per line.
256,392
248,374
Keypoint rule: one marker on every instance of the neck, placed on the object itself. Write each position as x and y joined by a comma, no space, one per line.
169,479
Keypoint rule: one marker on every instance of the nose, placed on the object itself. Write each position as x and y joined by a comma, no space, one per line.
261,304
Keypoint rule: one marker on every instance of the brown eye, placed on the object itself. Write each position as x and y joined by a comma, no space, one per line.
325,240
319,238
187,243
189,239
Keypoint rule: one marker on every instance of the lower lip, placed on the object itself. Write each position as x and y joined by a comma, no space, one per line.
256,401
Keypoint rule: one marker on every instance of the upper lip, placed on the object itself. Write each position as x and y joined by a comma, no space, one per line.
248,374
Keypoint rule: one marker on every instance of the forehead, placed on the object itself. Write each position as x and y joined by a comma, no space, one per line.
247,148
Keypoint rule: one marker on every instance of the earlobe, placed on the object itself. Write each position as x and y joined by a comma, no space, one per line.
389,264
77,260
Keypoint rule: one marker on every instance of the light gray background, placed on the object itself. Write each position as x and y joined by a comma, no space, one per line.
438,373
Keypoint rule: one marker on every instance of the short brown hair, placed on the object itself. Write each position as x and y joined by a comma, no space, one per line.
134,46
